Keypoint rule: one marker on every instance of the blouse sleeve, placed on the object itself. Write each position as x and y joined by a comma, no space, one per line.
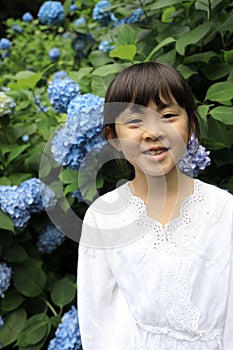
104,318
228,329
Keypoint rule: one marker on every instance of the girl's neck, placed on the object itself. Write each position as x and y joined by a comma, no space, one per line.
163,195
146,186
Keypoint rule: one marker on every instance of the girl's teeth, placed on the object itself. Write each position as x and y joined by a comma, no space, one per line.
156,152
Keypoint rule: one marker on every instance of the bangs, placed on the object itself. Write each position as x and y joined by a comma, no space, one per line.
143,83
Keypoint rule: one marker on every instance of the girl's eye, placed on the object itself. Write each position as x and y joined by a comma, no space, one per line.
135,121
168,116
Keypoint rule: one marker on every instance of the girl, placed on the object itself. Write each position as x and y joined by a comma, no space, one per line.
155,257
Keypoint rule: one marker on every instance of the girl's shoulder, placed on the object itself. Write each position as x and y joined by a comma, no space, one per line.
110,202
213,195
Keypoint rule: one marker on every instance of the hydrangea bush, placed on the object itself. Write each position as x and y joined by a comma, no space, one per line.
55,68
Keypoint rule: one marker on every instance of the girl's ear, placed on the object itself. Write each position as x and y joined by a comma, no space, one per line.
111,136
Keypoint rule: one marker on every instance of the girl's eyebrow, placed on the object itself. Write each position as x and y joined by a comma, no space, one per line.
137,108
165,105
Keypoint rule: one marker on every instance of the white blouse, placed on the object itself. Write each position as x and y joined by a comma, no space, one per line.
142,286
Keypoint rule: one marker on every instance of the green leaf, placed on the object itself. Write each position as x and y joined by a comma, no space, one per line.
186,71
26,83
228,184
70,188
200,57
124,52
163,43
108,69
34,330
206,5
40,344
192,37
25,130
13,324
216,70
125,36
219,92
228,56
16,152
69,176
6,222
80,74
223,114
203,110
4,181
16,253
220,133
168,57
11,301
100,84
214,145
63,292
30,281
99,58
66,6
166,16
24,74
17,178
156,5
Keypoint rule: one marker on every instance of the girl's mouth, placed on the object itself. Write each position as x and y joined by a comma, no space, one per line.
155,152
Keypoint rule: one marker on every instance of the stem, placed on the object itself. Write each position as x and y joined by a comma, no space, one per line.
49,306
34,96
209,11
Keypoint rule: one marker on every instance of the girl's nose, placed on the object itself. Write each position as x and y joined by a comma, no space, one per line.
152,130
149,135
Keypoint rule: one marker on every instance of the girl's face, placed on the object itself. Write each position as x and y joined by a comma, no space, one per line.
152,138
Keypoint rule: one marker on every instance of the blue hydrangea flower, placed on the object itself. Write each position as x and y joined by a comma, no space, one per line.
7,104
61,92
16,28
105,46
73,8
5,54
31,196
78,195
13,204
5,44
5,278
102,14
80,22
25,138
136,16
37,195
49,239
81,44
54,54
41,107
67,335
27,17
60,75
82,132
1,323
65,35
195,159
51,13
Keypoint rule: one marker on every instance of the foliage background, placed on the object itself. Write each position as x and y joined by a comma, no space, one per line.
194,36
